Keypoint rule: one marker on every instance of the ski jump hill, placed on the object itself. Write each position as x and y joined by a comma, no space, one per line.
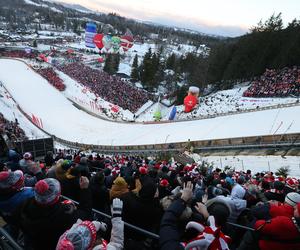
57,116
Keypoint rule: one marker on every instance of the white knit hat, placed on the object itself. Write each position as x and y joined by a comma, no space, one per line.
292,199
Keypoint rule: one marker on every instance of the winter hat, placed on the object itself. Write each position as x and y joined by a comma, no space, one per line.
143,170
27,156
65,164
115,171
229,180
292,199
220,209
47,191
292,183
120,181
241,180
77,159
165,169
83,160
209,237
164,183
81,236
281,179
11,180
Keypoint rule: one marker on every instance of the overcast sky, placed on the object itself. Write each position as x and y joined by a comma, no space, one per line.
221,17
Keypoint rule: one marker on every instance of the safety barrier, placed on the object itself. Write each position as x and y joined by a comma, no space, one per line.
7,241
145,232
138,229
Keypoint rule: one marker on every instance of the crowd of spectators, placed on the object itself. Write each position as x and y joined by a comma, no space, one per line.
12,129
110,88
190,206
276,83
52,78
17,54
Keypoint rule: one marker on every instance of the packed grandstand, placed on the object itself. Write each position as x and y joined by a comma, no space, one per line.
171,205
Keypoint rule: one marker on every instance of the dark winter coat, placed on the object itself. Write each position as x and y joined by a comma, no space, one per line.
70,188
142,213
275,196
43,225
83,169
49,161
9,202
169,233
100,196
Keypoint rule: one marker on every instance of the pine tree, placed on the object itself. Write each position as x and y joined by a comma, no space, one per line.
112,62
107,65
171,62
135,71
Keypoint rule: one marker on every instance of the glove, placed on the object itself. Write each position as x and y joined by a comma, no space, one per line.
116,209
100,225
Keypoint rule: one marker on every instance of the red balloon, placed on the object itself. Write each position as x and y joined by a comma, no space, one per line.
190,102
126,42
98,40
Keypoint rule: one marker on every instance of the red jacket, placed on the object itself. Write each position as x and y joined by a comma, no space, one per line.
281,210
280,233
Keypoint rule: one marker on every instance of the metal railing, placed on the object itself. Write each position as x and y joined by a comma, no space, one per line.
8,240
138,229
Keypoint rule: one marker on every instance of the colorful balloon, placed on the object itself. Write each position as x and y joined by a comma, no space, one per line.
126,42
90,32
115,43
190,102
98,41
173,113
107,42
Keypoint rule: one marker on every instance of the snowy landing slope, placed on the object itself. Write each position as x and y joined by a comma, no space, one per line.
59,117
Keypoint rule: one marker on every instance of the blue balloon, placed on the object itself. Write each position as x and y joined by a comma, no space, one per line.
90,32
173,113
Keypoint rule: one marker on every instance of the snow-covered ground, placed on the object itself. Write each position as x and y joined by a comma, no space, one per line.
221,102
257,163
11,112
59,117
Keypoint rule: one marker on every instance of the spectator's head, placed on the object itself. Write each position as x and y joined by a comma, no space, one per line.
83,160
292,199
164,183
27,156
11,181
120,183
148,190
241,180
81,236
98,178
292,183
229,180
143,170
278,185
47,191
219,209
